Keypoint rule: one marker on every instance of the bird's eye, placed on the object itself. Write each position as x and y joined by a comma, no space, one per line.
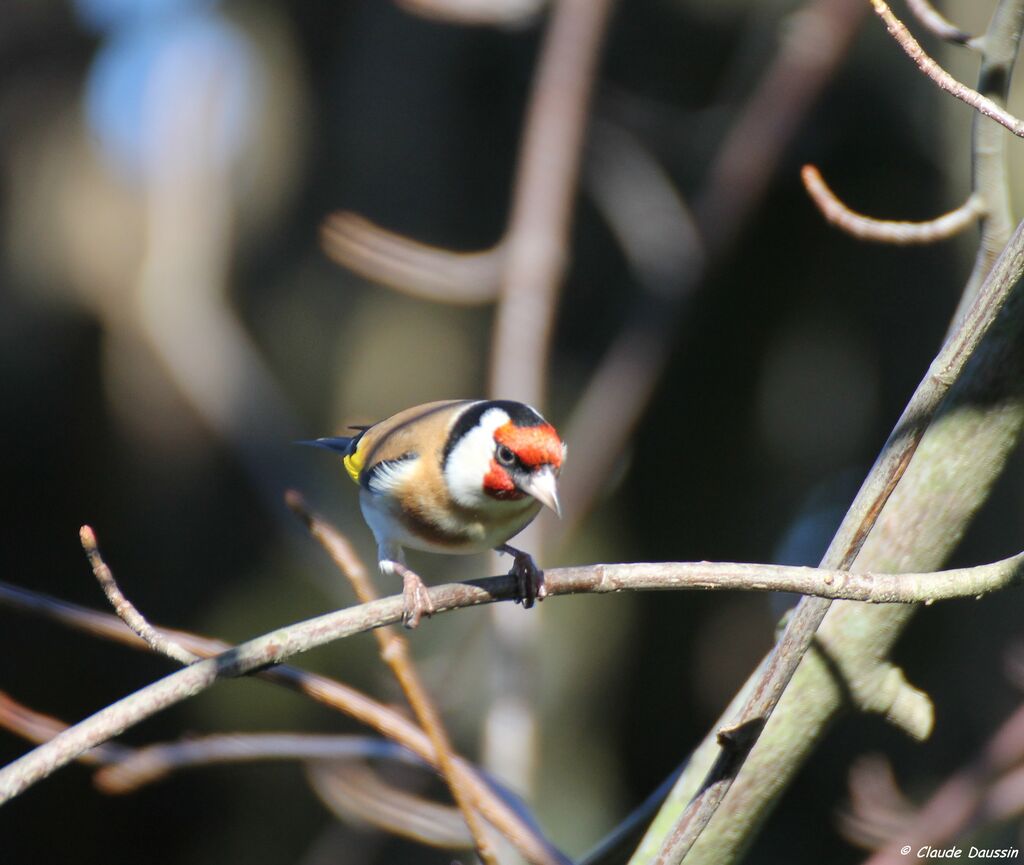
505,455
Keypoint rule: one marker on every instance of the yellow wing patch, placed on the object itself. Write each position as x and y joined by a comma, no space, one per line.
354,464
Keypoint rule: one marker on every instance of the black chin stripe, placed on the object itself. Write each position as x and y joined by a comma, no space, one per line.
519,413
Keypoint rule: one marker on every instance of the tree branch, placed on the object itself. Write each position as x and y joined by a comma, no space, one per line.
896,232
159,642
328,692
939,25
982,104
280,644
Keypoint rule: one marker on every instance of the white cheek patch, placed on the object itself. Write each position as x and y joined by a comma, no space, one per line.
387,477
470,460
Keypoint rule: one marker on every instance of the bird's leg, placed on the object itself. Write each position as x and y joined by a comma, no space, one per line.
415,599
529,578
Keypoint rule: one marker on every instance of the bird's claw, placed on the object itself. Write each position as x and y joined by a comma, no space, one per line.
415,599
529,578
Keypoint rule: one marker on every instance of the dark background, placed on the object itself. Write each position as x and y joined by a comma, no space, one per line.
788,368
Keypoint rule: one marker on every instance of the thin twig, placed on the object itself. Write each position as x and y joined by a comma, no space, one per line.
898,233
935,21
604,578
982,104
276,646
124,608
394,650
414,268
739,739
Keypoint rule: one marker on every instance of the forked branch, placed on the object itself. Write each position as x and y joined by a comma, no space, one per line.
982,104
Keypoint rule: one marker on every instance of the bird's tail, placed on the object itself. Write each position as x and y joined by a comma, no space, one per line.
344,445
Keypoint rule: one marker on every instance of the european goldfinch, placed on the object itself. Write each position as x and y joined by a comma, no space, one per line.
457,476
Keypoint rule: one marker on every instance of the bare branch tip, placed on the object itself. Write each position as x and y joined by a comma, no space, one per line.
898,232
296,503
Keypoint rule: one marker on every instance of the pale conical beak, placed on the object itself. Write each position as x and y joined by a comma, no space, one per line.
543,486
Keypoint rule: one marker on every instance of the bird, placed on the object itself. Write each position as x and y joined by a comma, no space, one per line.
453,476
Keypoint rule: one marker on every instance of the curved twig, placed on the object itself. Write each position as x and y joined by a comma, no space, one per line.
896,232
411,267
939,25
